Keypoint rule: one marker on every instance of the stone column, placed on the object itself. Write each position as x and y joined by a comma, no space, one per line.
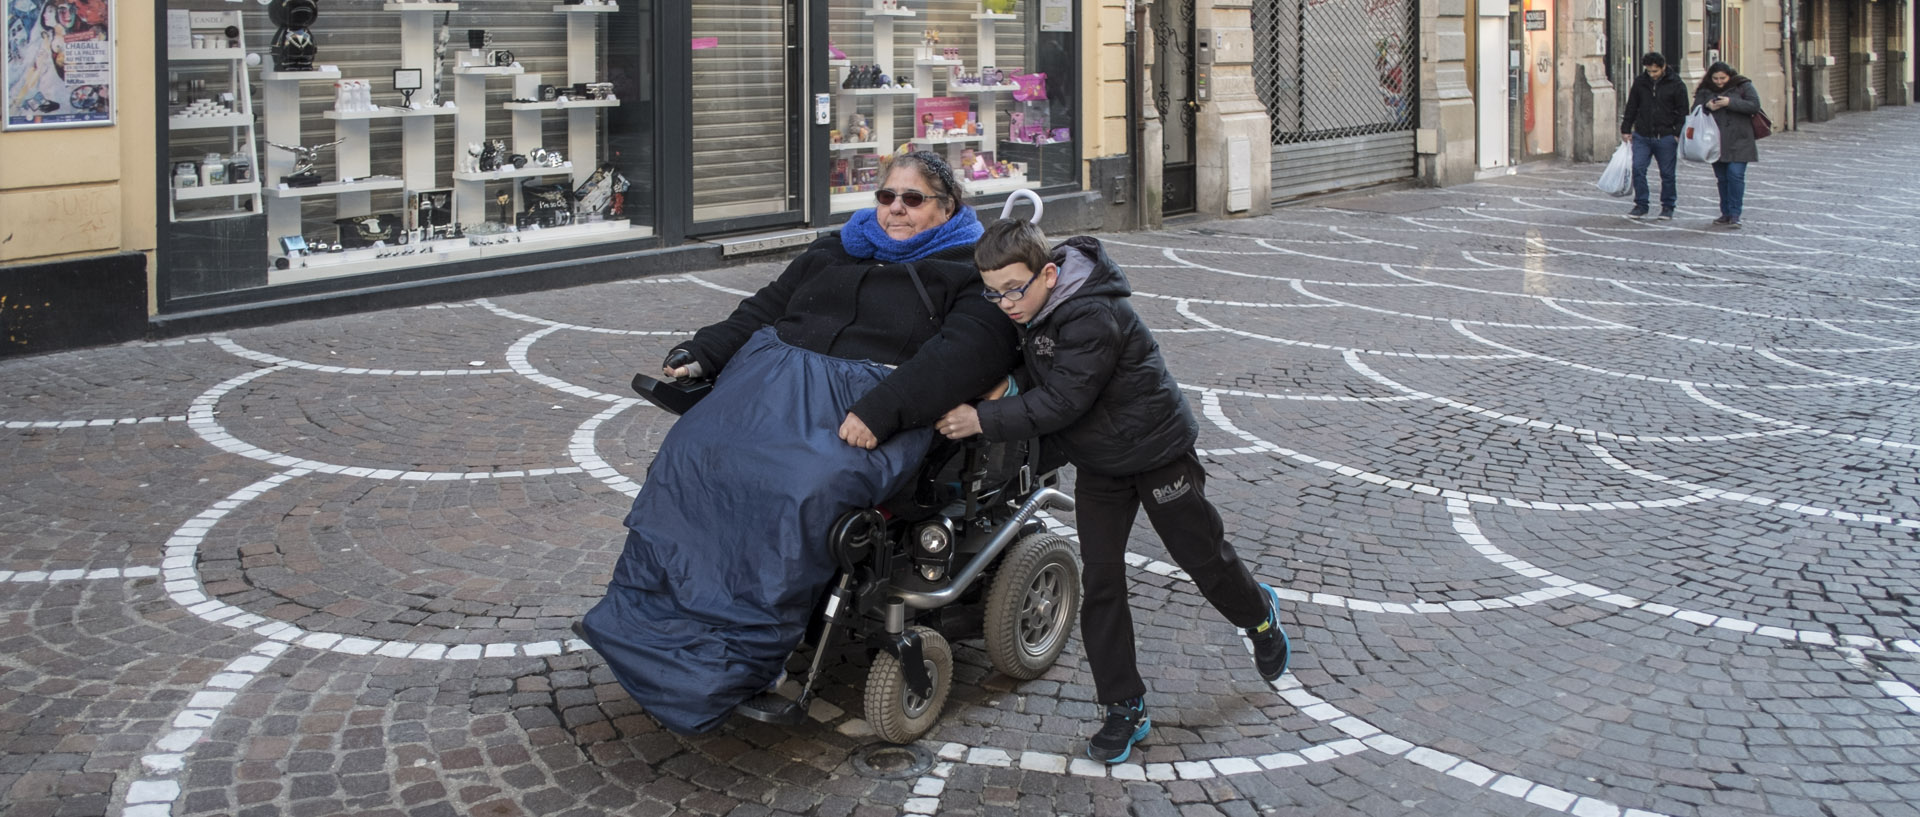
1445,141
1232,135
1819,61
1900,53
1591,128
1861,67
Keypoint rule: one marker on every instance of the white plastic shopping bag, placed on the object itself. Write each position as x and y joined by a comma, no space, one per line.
1617,179
1700,137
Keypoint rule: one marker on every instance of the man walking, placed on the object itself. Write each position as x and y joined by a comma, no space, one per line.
1656,110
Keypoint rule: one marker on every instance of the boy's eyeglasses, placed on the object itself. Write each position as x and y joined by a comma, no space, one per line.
1011,295
912,198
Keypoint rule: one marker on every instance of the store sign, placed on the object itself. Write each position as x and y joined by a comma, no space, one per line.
58,64
1536,19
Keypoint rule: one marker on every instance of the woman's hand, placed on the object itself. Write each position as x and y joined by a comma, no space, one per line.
855,432
960,423
1718,102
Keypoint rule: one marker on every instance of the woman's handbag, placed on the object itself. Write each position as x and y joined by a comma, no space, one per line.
1700,137
1617,179
1762,126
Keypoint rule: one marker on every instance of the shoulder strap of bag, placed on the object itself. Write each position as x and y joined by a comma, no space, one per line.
933,316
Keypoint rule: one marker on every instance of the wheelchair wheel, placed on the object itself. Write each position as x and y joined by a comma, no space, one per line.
1032,604
898,715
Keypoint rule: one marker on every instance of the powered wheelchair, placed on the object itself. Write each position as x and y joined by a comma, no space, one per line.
963,532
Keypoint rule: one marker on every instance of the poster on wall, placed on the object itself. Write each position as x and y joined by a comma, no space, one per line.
58,64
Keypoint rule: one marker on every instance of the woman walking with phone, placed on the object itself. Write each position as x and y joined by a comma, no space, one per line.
1733,102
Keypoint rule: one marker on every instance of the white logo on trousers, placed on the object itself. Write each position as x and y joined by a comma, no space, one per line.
1169,493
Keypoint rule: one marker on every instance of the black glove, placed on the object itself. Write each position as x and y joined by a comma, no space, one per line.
681,358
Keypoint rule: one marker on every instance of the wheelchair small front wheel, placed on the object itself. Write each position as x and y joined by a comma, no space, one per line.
1032,604
898,715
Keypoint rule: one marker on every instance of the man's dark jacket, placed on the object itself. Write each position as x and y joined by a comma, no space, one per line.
1655,108
1094,381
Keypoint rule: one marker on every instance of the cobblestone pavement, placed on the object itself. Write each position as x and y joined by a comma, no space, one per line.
1574,514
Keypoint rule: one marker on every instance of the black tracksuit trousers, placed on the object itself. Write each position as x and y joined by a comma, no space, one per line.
1191,531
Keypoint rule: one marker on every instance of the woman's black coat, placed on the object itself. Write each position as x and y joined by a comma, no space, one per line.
829,302
1737,143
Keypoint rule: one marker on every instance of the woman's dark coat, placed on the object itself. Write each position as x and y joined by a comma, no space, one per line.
1737,143
829,302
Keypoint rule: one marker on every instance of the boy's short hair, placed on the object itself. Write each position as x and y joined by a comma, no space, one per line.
1011,241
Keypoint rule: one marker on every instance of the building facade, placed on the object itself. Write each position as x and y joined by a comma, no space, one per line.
313,156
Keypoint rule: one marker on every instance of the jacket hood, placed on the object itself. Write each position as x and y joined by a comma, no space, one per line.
1085,271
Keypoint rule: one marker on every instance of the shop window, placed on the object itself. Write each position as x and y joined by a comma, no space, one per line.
405,137
989,84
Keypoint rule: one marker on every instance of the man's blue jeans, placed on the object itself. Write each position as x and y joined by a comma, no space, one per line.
1733,187
1665,149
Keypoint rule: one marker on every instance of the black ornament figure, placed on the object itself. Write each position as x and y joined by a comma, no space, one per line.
293,47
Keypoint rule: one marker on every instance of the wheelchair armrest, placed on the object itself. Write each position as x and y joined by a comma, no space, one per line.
676,396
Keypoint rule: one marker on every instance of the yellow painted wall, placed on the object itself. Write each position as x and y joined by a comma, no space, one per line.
87,191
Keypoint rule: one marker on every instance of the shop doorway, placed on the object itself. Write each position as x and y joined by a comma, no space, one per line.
745,115
1173,98
1531,26
1492,90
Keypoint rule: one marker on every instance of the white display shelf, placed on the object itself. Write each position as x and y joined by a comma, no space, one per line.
989,187
609,9
390,113
357,262
489,70
421,7
982,89
205,54
335,188
878,91
213,216
855,146
946,140
216,191
558,106
296,76
890,13
232,120
935,62
515,173
842,202
839,63
988,15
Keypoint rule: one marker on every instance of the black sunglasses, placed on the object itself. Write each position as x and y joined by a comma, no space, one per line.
912,198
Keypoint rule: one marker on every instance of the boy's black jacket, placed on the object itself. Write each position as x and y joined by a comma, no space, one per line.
1655,108
1096,382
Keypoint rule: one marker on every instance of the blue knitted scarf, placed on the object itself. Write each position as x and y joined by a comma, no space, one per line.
864,238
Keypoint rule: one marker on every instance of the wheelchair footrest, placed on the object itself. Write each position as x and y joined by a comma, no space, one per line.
767,707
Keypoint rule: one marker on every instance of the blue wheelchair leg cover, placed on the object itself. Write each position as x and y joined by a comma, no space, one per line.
726,552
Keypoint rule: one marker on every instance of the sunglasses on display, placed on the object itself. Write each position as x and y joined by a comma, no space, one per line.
912,198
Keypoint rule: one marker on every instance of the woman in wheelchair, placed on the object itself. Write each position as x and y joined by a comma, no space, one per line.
824,385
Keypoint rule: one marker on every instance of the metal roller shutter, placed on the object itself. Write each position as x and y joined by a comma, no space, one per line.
1877,21
1340,81
1840,46
364,41
740,87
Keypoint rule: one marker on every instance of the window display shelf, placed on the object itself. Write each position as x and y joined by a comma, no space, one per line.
982,89
934,62
335,188
839,63
232,120
947,140
878,91
606,9
205,54
216,216
989,187
515,173
561,106
216,191
890,12
296,76
855,146
391,113
842,202
356,262
421,7
988,15
489,70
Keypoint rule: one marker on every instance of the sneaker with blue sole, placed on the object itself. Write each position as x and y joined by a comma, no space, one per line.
1127,723
1272,651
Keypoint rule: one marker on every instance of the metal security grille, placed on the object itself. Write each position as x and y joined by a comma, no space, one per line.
1840,47
1340,81
1877,23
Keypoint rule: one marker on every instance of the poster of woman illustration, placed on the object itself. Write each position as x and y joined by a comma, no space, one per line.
58,64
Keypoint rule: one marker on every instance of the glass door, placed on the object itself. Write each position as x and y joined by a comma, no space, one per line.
746,81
